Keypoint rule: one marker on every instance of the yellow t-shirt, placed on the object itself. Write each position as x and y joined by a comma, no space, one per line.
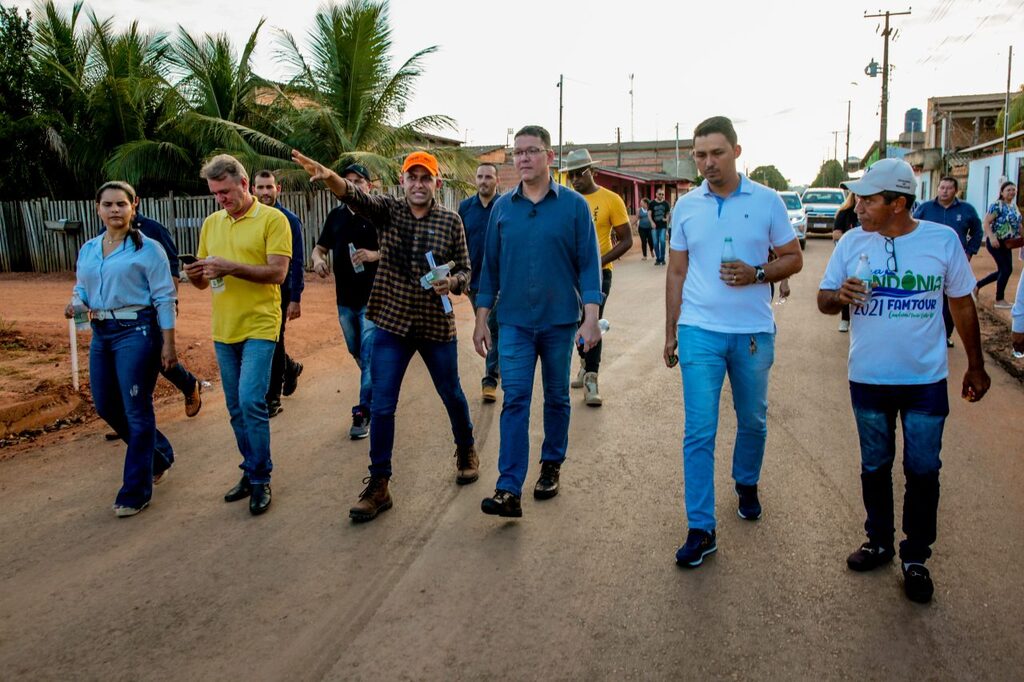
243,309
608,210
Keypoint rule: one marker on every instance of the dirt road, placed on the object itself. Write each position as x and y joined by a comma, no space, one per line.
584,586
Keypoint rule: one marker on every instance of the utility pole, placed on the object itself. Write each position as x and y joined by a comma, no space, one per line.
883,136
631,110
1006,113
846,161
835,144
561,91
618,147
676,173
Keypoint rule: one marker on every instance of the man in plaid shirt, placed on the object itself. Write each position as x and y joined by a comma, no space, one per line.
409,318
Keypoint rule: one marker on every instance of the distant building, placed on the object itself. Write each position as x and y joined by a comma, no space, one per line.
953,125
635,170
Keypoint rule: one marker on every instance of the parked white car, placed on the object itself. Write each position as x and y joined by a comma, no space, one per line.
797,215
822,204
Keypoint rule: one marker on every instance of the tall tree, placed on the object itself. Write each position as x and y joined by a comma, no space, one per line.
830,174
346,101
22,132
770,176
1016,114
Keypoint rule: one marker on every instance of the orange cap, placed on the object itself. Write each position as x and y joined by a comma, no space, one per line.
422,159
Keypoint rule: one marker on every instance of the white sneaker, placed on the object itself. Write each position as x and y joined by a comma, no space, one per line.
122,512
591,395
578,381
844,326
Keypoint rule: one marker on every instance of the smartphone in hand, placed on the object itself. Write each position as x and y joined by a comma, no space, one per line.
187,259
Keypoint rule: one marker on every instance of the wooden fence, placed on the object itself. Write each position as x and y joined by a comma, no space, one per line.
28,245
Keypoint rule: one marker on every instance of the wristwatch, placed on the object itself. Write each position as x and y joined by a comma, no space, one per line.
759,275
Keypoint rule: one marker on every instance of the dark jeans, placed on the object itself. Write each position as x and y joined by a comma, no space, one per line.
646,239
1004,268
181,378
922,411
123,360
391,356
592,358
659,244
492,371
281,362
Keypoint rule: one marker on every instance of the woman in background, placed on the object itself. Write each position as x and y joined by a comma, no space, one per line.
1002,229
124,279
846,220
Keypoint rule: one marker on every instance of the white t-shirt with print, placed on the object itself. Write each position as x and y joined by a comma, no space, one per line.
756,219
899,336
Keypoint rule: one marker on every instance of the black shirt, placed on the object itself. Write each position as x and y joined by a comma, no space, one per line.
659,213
343,227
846,220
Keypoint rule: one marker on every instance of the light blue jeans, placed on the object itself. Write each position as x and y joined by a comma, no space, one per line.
659,244
520,348
358,332
245,375
704,358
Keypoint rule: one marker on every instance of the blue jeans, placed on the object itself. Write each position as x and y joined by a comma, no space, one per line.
704,358
181,378
659,244
245,375
492,371
124,357
391,356
358,332
922,411
520,349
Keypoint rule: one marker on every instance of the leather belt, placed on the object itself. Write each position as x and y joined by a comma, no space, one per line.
128,312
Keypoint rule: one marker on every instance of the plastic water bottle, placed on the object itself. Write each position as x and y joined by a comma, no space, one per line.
356,267
602,324
863,272
427,280
217,284
81,313
728,252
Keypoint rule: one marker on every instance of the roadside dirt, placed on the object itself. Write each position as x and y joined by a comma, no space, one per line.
36,395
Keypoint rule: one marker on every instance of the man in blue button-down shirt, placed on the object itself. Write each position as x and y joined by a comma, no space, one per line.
946,209
475,212
541,259
284,372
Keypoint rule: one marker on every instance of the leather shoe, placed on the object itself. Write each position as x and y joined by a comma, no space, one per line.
259,501
547,482
503,503
241,490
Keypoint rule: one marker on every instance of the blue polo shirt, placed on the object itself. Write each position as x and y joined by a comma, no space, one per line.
474,219
542,259
756,219
960,215
291,289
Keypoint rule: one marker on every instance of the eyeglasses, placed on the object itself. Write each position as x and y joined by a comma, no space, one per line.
578,172
890,248
529,151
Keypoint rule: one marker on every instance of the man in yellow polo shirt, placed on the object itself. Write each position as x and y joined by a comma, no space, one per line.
244,251
610,216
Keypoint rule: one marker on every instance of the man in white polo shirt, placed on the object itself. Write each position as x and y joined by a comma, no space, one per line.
718,302
898,361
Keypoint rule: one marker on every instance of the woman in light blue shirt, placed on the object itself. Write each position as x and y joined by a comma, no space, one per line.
124,279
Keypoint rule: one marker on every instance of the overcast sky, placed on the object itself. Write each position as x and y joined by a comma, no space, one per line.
781,70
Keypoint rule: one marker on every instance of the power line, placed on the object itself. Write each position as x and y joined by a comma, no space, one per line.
883,138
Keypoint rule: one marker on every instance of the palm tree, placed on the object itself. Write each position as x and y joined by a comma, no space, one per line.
213,108
346,102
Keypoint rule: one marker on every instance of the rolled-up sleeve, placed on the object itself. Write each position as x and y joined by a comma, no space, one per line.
588,258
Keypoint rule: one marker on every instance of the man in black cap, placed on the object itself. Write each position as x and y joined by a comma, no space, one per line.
353,241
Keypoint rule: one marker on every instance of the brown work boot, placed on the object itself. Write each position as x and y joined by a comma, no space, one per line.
468,465
194,400
374,499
